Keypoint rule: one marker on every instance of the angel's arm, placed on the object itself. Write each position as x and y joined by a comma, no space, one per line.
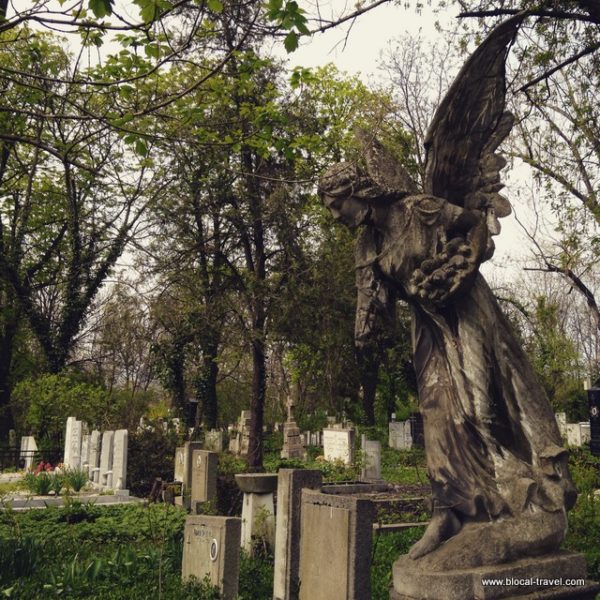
375,300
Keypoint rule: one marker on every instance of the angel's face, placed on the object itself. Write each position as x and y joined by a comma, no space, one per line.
349,210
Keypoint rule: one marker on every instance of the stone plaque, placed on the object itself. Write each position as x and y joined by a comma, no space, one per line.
119,466
179,464
205,466
106,459
94,456
338,444
211,546
400,437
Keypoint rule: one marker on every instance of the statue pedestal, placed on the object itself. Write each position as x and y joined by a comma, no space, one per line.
539,578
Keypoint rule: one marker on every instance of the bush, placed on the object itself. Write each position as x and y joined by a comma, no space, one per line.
151,455
76,479
40,405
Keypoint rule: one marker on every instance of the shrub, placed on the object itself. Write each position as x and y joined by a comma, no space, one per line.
151,455
40,405
39,484
76,479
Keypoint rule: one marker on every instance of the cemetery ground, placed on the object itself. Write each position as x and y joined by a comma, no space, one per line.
134,551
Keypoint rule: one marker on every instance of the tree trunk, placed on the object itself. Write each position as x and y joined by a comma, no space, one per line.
259,379
208,404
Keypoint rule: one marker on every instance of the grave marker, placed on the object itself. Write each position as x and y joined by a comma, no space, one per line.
205,466
106,459
211,546
338,444
119,464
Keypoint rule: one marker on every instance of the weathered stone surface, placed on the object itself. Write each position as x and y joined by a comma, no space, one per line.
257,483
288,533
27,450
499,476
73,441
205,466
335,548
94,456
371,469
214,440
119,466
412,583
338,444
106,459
211,546
399,435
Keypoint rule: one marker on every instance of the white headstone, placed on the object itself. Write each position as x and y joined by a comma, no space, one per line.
586,433
371,470
119,464
67,459
213,440
94,456
573,434
400,436
28,447
338,444
106,459
85,451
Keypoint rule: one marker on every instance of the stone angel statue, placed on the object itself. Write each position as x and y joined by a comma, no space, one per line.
498,472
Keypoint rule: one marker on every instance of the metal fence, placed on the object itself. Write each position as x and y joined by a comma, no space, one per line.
11,458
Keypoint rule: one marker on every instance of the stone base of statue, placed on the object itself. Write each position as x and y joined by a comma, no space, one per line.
560,575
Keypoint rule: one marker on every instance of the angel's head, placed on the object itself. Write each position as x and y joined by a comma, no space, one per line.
352,194
342,190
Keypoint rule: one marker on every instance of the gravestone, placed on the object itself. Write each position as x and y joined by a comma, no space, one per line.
371,469
338,444
244,433
561,421
205,466
85,451
574,434
585,432
594,405
183,471
335,548
400,437
211,546
106,460
258,510
28,447
290,484
292,444
94,456
73,441
179,474
213,440
119,464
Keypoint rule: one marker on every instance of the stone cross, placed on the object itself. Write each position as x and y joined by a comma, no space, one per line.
290,409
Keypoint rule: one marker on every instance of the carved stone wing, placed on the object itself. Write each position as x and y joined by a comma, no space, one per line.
382,166
469,125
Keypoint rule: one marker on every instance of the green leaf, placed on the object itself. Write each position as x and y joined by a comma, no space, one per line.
141,148
101,8
215,6
291,41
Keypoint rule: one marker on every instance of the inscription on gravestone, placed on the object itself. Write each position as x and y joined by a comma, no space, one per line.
338,444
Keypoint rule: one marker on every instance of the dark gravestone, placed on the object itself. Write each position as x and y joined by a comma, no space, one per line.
594,404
